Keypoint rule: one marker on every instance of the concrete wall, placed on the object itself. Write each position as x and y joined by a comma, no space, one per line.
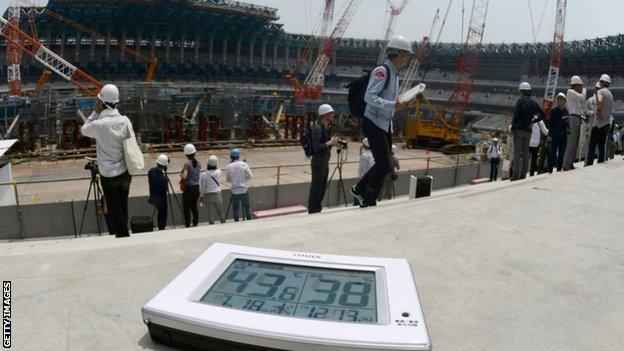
64,218
7,194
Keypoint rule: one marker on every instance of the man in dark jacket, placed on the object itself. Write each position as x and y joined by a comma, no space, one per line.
321,153
158,189
526,110
558,133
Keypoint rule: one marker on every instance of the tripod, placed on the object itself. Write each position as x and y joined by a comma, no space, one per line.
94,187
342,159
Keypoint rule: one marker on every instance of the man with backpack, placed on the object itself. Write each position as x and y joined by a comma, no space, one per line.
319,148
381,103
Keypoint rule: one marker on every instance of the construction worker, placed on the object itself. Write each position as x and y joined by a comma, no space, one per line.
322,144
109,128
494,153
381,104
601,121
575,104
210,190
366,159
158,185
190,186
526,109
557,134
238,174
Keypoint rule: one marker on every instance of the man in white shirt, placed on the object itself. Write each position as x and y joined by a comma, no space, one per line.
602,121
575,104
494,153
109,129
238,173
366,159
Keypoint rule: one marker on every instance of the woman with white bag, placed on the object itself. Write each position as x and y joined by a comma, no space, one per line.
118,155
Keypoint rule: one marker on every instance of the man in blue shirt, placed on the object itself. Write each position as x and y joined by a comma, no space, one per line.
381,104
158,189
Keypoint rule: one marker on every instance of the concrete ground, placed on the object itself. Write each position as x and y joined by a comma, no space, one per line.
530,265
264,162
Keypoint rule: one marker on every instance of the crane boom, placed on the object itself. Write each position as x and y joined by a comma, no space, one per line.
555,58
48,58
468,63
14,56
394,14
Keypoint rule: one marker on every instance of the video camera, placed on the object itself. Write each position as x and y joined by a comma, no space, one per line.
342,145
92,165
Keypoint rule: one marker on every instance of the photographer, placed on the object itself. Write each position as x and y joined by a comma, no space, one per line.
321,147
109,129
381,103
157,180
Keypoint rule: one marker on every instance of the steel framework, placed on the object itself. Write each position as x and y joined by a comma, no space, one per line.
14,56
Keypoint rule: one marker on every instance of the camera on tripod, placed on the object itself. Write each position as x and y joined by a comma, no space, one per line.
342,145
92,165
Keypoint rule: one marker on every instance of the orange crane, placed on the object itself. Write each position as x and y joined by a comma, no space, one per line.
29,45
153,61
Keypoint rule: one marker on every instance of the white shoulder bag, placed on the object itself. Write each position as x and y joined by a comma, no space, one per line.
135,162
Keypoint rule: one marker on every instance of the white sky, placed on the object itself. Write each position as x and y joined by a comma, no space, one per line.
508,20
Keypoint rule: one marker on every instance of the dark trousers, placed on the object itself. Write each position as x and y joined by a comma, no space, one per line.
380,143
556,152
521,154
598,137
318,187
116,190
189,201
494,163
162,209
534,151
241,199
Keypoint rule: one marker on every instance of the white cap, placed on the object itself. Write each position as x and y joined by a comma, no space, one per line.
576,80
109,93
393,148
605,78
365,142
400,43
524,86
162,160
562,95
213,161
495,140
189,149
325,109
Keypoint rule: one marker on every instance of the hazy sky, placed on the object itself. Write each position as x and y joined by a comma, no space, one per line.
508,20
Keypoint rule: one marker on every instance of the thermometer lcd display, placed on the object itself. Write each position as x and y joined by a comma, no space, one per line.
296,291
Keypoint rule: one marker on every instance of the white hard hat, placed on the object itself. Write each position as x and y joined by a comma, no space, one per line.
325,109
605,78
576,80
524,86
189,149
400,43
598,85
109,93
213,161
162,160
365,142
562,95
393,148
495,140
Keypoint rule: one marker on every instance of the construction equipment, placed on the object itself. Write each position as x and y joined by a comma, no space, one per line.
444,125
14,55
556,54
25,43
395,11
312,87
153,61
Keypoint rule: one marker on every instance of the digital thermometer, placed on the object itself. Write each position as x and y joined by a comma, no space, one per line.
245,298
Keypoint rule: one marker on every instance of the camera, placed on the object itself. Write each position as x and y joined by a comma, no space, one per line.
343,144
91,165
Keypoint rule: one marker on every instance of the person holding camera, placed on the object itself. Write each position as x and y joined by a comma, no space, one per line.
157,180
381,103
110,129
190,186
322,144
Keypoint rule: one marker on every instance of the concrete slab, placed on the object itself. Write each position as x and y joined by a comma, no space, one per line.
530,265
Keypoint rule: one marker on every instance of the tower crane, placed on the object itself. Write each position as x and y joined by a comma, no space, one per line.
394,14
312,87
555,58
14,55
27,44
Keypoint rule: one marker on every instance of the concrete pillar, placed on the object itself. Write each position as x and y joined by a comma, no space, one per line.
196,56
225,49
274,63
182,48
238,52
63,43
263,54
251,53
92,52
77,47
122,53
167,47
210,49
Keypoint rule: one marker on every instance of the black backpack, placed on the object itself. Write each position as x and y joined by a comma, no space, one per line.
357,90
307,143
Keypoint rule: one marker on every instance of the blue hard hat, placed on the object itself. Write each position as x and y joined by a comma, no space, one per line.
235,153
